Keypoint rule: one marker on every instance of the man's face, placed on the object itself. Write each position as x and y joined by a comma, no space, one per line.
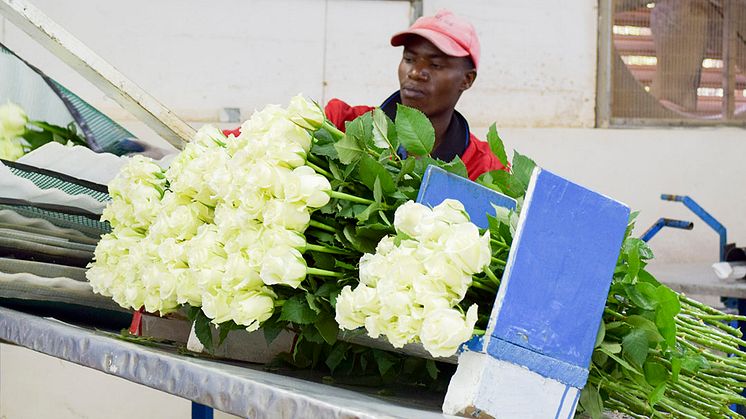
430,80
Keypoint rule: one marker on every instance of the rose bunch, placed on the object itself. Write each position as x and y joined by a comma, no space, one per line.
220,228
411,286
12,126
18,138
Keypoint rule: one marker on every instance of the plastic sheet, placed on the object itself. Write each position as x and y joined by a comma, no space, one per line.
238,390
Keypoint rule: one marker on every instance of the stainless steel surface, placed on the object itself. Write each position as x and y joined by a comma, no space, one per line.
243,391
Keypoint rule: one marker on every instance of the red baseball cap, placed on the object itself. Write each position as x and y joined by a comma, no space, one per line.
449,33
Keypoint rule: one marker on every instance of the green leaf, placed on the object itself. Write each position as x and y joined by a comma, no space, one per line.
619,361
432,369
337,355
668,301
635,346
600,335
327,327
496,145
327,288
384,360
322,260
655,373
296,310
272,328
369,170
37,139
203,330
326,150
611,347
591,401
693,363
377,191
384,132
407,167
350,148
311,300
363,216
647,326
638,297
523,167
657,394
455,166
414,130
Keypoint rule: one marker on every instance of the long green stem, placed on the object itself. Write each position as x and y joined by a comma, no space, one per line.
476,284
323,272
479,332
347,197
491,275
498,261
322,226
324,249
319,170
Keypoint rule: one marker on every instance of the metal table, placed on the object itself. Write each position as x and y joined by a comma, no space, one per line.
243,390
697,279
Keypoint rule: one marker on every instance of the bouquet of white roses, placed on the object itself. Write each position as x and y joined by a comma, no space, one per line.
17,139
410,288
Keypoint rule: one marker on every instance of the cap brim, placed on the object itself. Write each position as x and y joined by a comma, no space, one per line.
441,41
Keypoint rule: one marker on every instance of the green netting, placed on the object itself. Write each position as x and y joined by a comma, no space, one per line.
47,180
101,133
86,225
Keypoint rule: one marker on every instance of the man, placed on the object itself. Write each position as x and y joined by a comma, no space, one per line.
439,63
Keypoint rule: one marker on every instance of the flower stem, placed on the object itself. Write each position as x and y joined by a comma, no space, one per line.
347,197
498,261
322,226
481,286
479,332
491,275
323,272
333,130
319,170
324,249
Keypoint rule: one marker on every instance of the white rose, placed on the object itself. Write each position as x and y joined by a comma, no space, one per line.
209,136
261,121
100,277
204,250
409,217
286,153
240,275
285,133
305,113
402,330
347,315
442,270
188,290
451,211
217,306
444,330
385,246
466,249
372,268
291,215
314,188
366,300
11,149
283,265
13,121
281,237
251,308
427,288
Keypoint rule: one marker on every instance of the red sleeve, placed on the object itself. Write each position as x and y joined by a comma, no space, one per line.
339,112
479,159
236,132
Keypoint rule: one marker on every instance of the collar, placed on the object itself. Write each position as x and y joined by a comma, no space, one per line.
456,138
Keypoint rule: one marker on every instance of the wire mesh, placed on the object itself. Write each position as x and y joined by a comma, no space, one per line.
669,60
